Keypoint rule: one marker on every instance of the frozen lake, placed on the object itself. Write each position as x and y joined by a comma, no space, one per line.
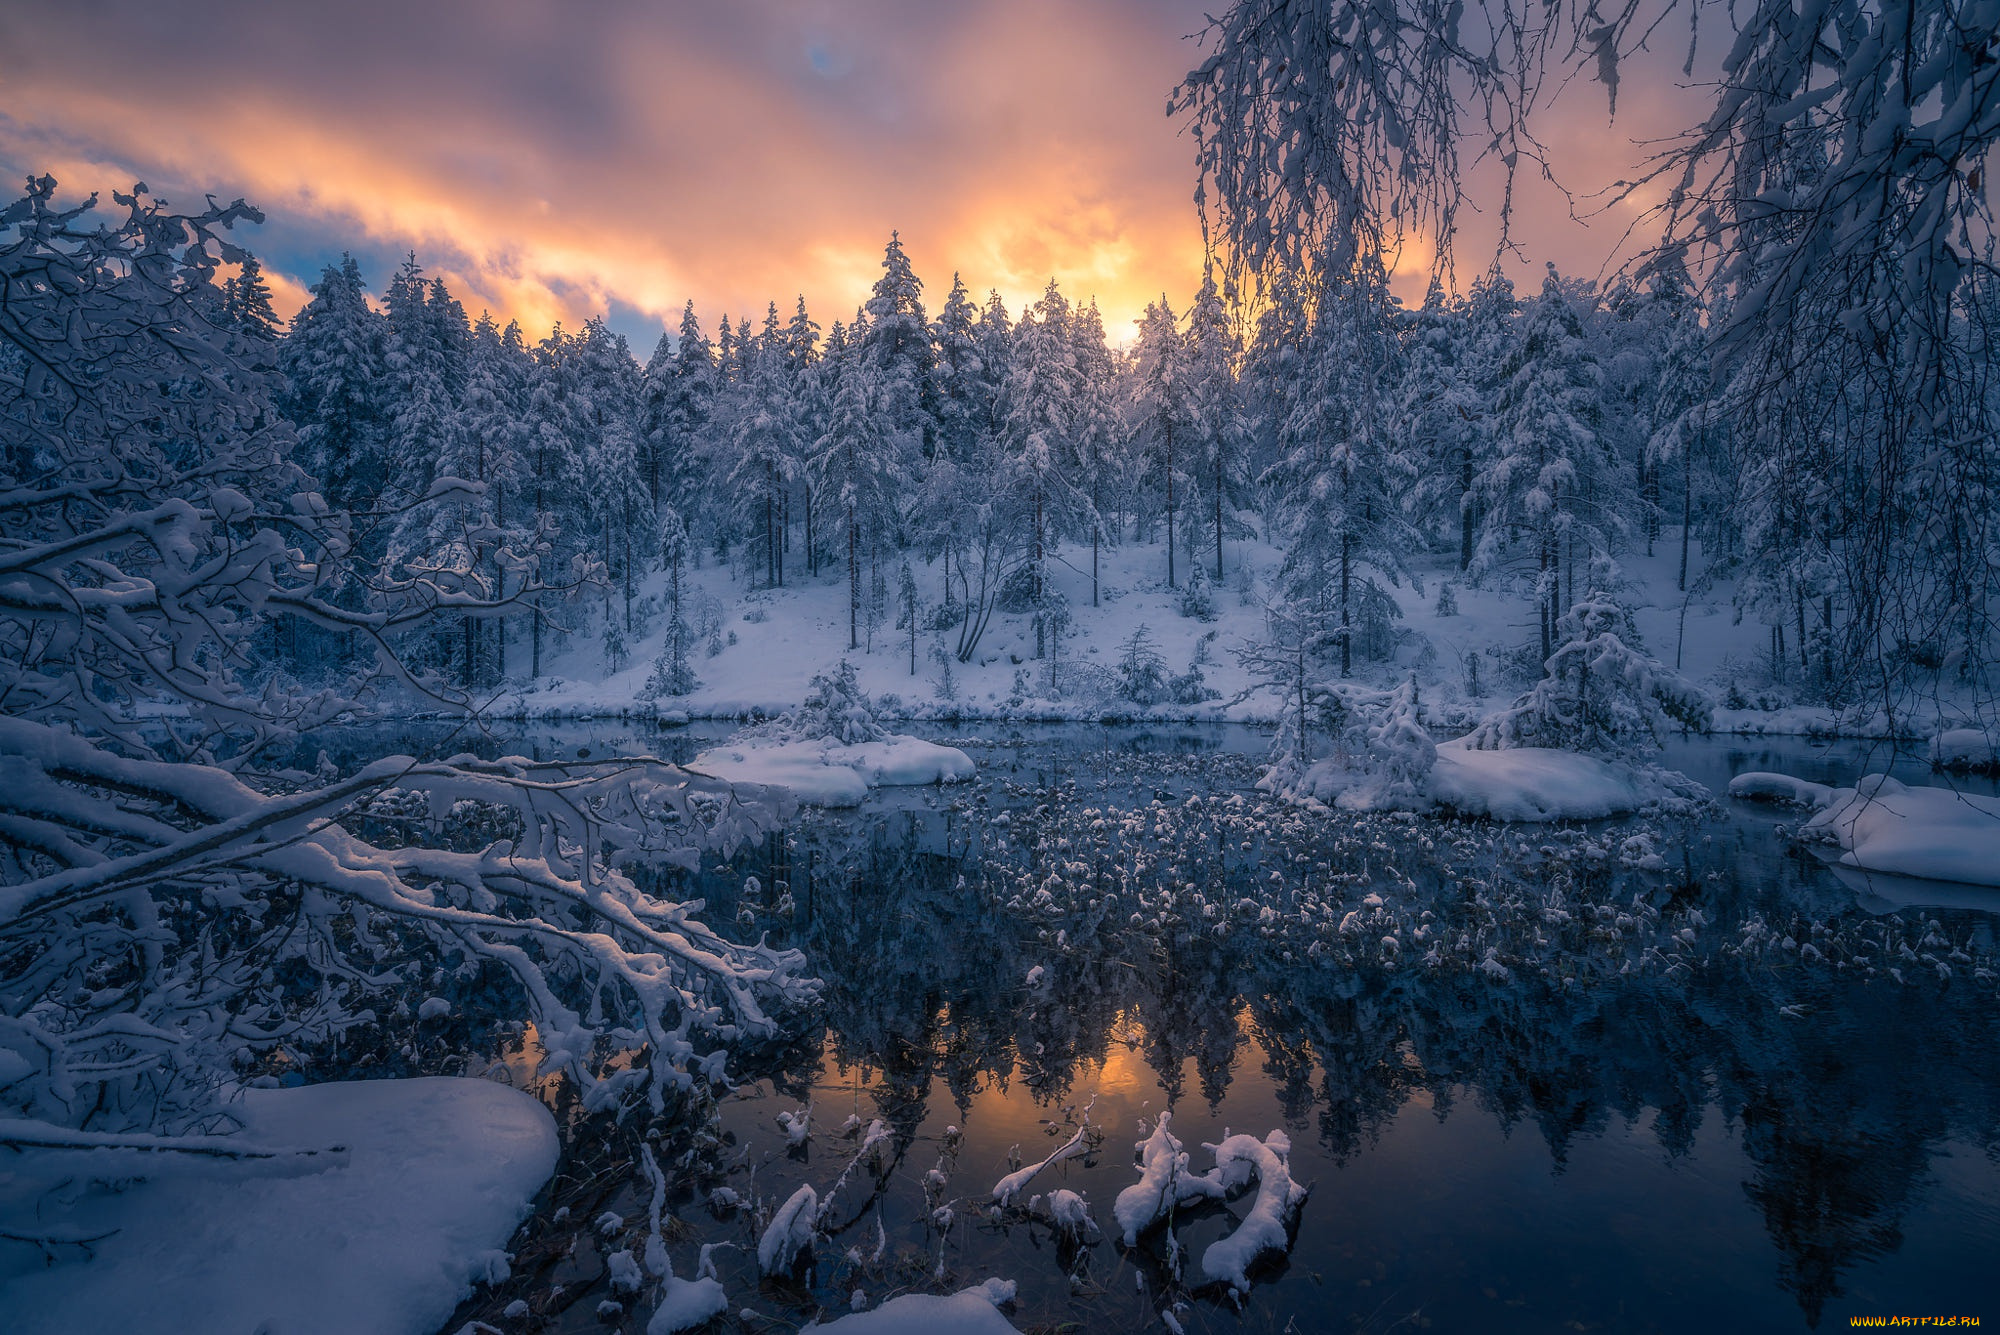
1631,1076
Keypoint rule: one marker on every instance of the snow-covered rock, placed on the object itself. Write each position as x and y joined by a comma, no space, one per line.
973,1311
386,1237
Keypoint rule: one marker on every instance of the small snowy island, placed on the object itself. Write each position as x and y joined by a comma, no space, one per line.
1572,748
832,750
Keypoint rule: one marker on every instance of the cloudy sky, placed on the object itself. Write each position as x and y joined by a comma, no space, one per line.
556,160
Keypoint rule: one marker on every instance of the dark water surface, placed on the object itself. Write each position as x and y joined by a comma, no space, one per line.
1644,1075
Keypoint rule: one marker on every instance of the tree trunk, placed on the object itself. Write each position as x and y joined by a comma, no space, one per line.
853,582
1346,620
1170,505
1218,514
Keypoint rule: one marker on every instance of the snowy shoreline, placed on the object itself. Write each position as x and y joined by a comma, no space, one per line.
1790,722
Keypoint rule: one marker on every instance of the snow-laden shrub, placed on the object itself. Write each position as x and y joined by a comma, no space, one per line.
1191,687
1142,672
1381,755
835,708
1198,595
1597,693
672,674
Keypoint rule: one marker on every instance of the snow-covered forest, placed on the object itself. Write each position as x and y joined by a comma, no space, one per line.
1470,562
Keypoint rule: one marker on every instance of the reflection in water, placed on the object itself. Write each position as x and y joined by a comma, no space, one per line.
1618,982
1636,1076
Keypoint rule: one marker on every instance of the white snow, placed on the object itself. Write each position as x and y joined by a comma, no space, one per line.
972,1311
385,1238
1758,786
1164,1183
1238,1161
1009,1187
1965,748
1883,825
1531,783
790,1232
823,773
686,1304
1070,1211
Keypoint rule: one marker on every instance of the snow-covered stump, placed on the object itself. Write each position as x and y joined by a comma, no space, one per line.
789,1236
1164,1185
1267,1229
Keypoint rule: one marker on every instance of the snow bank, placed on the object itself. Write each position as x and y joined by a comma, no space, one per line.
1532,783
1882,825
386,1238
1760,786
1885,826
824,773
1965,749
686,1304
970,1311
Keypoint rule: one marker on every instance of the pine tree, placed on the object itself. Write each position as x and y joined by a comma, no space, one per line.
896,350
1095,430
671,673
248,309
1439,416
1550,480
766,447
1336,487
1037,409
1217,424
857,474
333,367
1161,391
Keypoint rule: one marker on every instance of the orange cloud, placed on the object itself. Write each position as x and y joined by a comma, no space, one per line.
553,163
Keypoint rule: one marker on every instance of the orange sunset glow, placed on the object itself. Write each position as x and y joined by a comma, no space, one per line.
551,168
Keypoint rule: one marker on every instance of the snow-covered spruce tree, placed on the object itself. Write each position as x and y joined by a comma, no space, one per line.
620,510
334,376
766,448
1597,694
175,907
1142,672
671,673
1098,438
908,609
1215,408
835,709
856,472
1038,468
1161,408
1335,487
1439,417
247,306
1550,488
556,490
